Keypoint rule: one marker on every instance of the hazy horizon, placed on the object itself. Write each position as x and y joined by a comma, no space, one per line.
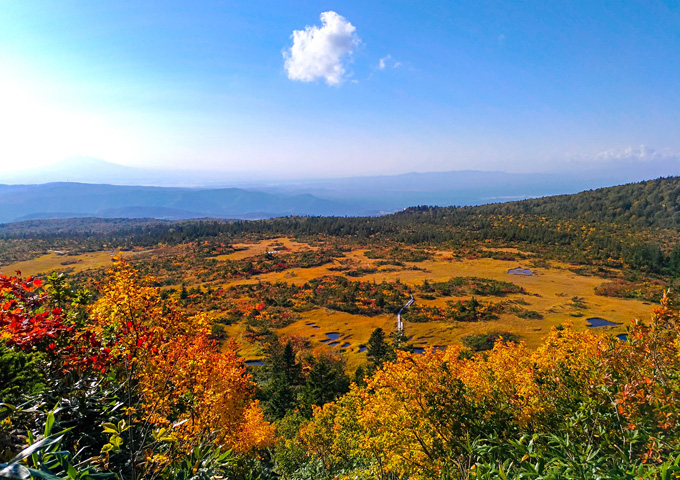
80,169
332,90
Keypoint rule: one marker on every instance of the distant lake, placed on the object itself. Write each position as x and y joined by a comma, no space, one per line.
600,322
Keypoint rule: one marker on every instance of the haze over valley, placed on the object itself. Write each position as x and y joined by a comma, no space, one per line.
85,187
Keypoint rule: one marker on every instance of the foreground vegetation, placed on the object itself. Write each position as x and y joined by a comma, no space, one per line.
129,386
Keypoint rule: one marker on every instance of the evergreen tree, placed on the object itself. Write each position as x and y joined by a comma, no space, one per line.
326,381
378,349
292,370
285,378
360,376
282,397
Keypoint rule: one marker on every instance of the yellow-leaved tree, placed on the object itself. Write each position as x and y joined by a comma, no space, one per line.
418,417
180,388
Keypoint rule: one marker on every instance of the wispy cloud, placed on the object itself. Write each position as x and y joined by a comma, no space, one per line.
644,161
321,52
387,61
641,153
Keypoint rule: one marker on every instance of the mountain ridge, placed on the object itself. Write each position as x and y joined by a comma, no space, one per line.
83,200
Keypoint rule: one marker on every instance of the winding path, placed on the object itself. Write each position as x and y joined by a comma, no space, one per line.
400,324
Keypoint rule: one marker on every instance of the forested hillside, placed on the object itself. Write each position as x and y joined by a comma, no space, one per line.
654,203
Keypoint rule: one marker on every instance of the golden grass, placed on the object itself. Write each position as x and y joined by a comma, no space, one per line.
54,262
550,291
245,250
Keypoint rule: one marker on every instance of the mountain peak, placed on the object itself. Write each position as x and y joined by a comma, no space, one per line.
82,161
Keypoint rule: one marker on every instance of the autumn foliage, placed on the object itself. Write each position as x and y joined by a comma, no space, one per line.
183,379
178,391
26,319
444,415
582,405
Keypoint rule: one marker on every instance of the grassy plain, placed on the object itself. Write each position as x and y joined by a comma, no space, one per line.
247,250
61,262
549,291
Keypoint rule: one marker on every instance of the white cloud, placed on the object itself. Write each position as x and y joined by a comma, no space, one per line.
382,63
319,52
641,153
386,61
623,155
625,163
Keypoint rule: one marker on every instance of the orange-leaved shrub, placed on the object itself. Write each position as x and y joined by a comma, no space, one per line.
185,385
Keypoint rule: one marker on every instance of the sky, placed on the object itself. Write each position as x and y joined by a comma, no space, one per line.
340,88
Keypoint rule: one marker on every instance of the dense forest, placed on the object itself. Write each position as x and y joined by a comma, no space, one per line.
128,372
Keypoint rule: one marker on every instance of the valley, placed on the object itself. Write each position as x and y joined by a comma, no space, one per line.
548,291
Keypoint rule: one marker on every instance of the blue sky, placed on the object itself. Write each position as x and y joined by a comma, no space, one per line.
515,86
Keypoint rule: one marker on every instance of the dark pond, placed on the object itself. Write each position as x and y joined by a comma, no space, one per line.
420,351
623,337
600,322
254,362
344,345
316,326
520,271
362,348
333,335
334,344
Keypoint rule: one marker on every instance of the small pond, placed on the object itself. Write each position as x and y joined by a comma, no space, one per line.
345,345
520,271
362,348
623,337
420,351
254,362
333,335
334,344
600,322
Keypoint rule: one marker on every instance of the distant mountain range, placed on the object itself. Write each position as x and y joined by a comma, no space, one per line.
90,187
68,200
94,170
